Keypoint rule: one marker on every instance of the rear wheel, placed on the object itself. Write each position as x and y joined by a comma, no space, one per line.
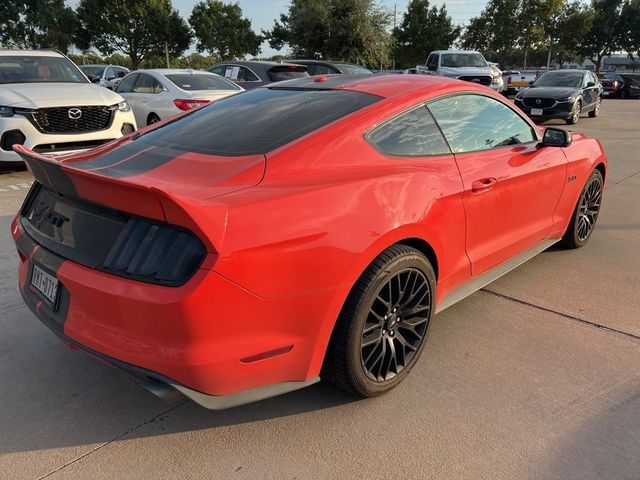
152,118
381,330
594,113
575,113
586,213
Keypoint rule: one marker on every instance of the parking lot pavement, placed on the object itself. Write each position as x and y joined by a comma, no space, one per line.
520,380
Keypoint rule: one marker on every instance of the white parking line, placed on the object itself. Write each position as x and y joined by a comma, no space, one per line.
17,186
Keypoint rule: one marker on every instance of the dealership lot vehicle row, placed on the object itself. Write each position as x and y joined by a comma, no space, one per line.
518,381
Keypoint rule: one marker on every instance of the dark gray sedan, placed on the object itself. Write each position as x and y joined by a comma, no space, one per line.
252,74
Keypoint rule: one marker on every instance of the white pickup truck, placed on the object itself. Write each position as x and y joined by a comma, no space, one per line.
464,65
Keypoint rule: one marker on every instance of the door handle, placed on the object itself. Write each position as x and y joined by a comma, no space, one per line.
483,185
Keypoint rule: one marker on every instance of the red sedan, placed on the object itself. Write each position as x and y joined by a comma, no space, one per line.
309,228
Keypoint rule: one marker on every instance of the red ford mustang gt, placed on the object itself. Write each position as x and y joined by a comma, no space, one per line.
310,228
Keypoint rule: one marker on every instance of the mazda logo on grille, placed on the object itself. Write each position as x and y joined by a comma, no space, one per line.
538,101
74,113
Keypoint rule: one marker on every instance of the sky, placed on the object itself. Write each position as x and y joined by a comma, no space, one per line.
262,13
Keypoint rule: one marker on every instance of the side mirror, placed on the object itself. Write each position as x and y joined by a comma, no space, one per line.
591,84
95,78
556,137
111,78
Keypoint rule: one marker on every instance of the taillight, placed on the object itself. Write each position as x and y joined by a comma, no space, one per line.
188,104
508,80
155,253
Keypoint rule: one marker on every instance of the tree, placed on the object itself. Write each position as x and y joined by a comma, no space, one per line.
423,30
630,27
604,36
37,24
349,30
569,31
137,28
221,30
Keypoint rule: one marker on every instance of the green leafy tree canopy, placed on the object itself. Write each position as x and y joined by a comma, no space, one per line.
221,30
137,28
423,29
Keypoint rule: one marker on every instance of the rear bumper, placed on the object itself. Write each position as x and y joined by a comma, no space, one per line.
207,338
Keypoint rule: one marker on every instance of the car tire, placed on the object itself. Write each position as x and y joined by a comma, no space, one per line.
575,113
594,113
585,214
372,347
152,118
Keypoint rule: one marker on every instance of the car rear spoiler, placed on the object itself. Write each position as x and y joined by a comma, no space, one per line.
122,194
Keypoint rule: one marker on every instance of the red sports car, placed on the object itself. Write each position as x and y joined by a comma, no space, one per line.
309,228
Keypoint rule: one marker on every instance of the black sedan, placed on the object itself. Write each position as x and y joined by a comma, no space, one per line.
562,94
254,73
320,67
631,88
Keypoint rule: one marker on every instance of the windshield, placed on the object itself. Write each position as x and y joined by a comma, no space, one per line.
560,79
201,81
457,60
92,70
34,69
349,68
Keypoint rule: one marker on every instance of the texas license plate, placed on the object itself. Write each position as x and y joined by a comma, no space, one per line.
536,111
45,286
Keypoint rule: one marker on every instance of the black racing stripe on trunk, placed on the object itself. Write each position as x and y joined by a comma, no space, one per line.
24,245
51,175
143,162
110,158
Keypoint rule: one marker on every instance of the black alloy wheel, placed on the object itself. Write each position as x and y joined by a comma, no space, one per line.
396,324
586,212
153,118
382,328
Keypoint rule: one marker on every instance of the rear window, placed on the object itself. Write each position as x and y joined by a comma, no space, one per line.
287,72
257,121
200,81
352,69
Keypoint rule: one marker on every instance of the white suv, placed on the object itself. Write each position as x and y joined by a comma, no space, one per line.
48,105
464,65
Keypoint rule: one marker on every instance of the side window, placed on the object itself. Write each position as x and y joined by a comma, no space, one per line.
247,75
432,62
120,72
474,122
110,74
413,133
126,85
147,84
218,70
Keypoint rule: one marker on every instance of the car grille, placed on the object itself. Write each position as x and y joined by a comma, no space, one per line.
539,102
481,79
59,119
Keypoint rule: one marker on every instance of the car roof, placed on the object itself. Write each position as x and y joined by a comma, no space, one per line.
265,63
29,53
381,85
455,51
175,71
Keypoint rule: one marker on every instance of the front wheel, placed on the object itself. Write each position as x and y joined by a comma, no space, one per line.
594,113
575,113
381,330
152,118
585,215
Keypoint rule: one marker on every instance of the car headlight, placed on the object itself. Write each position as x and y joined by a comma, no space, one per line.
6,111
567,99
124,107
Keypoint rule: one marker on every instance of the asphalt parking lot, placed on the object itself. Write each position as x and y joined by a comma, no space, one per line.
535,377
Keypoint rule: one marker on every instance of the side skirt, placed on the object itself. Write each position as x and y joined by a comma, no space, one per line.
476,283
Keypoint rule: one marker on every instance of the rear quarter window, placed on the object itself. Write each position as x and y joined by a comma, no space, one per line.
256,121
